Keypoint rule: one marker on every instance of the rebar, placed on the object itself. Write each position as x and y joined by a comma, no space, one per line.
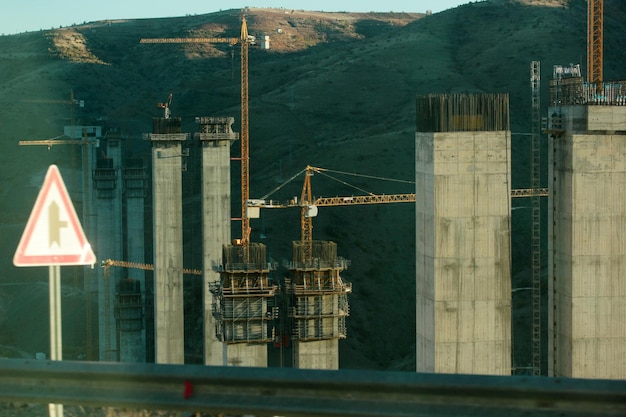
462,112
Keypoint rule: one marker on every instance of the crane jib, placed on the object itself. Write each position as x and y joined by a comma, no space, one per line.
232,41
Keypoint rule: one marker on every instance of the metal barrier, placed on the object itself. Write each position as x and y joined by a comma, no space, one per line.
292,392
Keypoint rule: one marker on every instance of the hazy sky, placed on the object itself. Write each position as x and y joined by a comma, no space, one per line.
29,15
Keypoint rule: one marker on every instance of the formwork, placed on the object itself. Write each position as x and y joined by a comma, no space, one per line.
135,180
318,303
243,303
129,315
463,280
587,243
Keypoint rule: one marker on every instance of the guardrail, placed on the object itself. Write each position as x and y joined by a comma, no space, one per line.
292,392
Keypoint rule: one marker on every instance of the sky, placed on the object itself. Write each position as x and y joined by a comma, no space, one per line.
19,16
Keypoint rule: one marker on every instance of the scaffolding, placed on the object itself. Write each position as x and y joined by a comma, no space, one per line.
318,296
535,174
129,308
244,297
567,88
105,178
135,178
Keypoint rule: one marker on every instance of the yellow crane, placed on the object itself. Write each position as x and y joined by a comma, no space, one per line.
308,204
244,40
72,102
55,141
595,29
108,263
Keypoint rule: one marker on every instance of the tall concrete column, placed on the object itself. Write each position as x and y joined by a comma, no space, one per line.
108,206
90,225
131,298
463,186
168,241
216,136
587,240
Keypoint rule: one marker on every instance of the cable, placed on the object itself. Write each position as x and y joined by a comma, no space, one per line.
282,185
319,170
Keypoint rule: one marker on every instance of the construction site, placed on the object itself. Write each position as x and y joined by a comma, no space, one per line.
462,193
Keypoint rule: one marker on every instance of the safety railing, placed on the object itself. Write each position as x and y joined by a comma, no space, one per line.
295,392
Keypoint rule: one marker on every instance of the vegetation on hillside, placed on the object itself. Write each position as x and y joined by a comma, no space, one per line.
336,90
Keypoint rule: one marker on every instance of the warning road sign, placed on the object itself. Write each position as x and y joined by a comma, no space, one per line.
53,234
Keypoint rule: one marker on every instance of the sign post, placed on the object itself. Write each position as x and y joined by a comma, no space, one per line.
53,237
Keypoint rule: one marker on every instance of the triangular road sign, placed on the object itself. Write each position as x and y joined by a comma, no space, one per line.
53,234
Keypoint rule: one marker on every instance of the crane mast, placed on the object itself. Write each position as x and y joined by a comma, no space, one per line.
244,40
244,141
595,25
535,174
306,216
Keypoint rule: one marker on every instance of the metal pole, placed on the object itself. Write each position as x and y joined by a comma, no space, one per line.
56,349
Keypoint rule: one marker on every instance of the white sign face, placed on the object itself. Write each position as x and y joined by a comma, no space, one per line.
53,234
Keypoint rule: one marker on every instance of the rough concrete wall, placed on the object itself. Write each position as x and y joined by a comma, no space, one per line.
588,251
168,253
92,276
425,252
108,219
109,245
463,252
242,354
216,223
606,118
133,344
319,354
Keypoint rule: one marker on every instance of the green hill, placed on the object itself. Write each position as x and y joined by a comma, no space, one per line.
336,90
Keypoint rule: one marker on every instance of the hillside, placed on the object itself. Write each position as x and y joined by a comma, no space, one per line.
336,90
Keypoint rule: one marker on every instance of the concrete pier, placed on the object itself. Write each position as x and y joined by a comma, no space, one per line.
167,155
108,206
131,295
318,304
463,187
243,305
319,354
587,241
92,277
216,136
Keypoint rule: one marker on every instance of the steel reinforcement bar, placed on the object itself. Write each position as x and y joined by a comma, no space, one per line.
293,392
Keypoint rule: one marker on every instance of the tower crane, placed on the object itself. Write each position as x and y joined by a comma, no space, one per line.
108,263
595,29
244,40
166,106
50,142
308,204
